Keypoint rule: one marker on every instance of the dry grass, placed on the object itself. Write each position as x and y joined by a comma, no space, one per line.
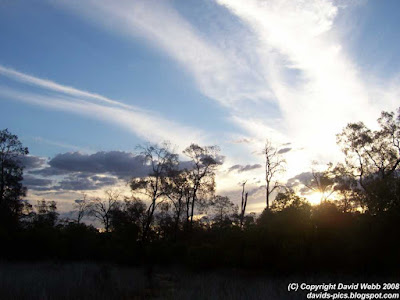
101,281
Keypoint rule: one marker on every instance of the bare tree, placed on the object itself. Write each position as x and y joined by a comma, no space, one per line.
243,204
102,209
274,164
161,161
82,208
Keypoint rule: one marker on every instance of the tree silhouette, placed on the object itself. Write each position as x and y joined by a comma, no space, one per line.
274,164
201,175
243,204
178,192
46,213
373,158
223,209
161,160
82,207
322,182
102,209
11,171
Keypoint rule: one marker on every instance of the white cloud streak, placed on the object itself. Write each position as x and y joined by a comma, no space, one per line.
317,86
217,70
287,53
144,124
53,86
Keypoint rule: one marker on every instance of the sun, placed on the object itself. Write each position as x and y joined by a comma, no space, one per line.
314,198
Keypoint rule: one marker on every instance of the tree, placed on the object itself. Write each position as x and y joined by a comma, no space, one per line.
128,218
201,175
223,209
46,213
289,200
372,157
178,192
161,161
345,187
274,164
11,171
102,209
82,207
322,182
243,204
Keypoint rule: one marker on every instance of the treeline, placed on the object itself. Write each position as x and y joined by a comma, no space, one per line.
174,216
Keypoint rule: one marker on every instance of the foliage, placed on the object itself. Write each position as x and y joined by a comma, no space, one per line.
11,169
372,159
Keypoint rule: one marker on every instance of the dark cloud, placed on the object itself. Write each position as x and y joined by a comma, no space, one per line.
32,182
302,178
241,168
32,162
76,171
284,150
124,165
49,171
77,182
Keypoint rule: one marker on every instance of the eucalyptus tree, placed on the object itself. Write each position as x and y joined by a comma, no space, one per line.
178,192
201,173
224,209
372,157
161,161
11,176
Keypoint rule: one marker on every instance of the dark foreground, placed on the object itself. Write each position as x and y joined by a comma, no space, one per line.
49,280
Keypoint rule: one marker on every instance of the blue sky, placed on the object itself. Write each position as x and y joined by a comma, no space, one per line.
93,76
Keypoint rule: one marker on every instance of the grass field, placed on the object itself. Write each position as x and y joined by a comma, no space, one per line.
102,281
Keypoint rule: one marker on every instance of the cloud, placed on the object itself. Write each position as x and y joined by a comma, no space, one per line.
284,150
53,86
74,171
241,168
32,162
123,165
241,141
279,67
33,182
80,182
220,72
300,179
147,125
307,68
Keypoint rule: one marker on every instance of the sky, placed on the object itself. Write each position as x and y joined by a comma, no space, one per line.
82,83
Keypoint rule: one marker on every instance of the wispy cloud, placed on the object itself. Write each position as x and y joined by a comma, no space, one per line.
219,71
317,86
144,124
53,86
280,69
